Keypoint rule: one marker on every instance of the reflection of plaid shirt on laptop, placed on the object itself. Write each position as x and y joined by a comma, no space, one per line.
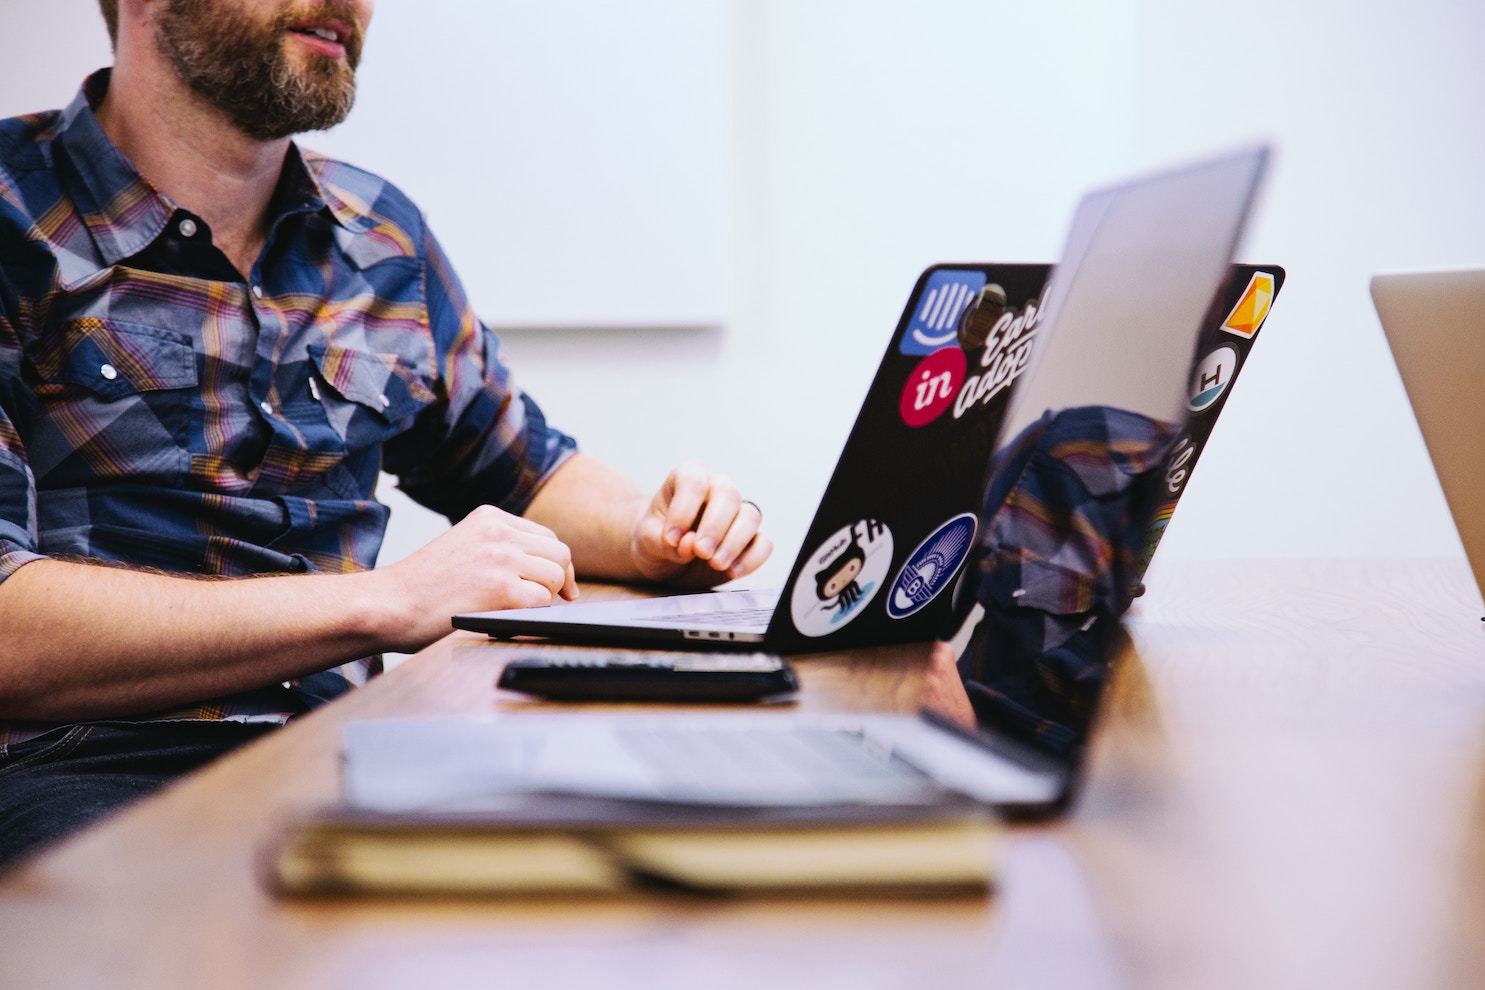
1058,564
156,410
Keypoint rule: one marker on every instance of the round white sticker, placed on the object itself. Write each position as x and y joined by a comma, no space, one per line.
1209,379
841,577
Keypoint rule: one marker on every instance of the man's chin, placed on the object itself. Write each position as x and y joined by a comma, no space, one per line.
310,69
321,99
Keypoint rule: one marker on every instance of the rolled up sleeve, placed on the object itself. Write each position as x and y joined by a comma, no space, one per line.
18,529
485,441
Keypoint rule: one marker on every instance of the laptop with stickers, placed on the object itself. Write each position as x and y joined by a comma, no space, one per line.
1144,297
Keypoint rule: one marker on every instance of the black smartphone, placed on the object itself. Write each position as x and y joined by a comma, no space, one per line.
658,675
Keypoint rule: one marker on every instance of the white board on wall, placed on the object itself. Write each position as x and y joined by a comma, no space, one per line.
574,158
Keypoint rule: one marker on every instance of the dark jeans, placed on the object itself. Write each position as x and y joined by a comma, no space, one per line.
59,782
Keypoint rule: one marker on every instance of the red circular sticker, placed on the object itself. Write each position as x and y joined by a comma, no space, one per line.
931,388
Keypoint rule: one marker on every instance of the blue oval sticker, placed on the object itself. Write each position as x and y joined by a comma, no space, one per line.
931,567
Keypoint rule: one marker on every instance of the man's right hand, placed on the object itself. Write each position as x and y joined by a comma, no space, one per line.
172,641
490,560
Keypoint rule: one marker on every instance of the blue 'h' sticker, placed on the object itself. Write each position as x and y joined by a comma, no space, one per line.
935,323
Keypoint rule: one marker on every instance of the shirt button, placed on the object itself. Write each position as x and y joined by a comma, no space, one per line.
266,407
384,400
187,227
109,372
257,292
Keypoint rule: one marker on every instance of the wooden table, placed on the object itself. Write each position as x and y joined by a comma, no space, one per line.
1285,790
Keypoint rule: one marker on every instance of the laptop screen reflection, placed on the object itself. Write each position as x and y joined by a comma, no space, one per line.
1070,501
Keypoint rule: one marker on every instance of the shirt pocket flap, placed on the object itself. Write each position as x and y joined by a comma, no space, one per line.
381,383
1045,587
114,359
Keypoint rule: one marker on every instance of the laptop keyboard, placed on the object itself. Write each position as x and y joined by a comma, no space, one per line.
787,762
722,616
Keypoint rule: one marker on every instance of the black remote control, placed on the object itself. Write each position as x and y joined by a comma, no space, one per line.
660,675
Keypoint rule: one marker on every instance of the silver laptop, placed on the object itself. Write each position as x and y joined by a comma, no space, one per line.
1115,324
1435,324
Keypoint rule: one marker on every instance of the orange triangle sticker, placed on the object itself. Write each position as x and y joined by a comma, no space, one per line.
1252,309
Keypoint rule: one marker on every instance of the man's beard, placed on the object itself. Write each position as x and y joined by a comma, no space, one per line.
240,66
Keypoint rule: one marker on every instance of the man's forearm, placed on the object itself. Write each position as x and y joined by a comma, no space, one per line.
593,508
86,641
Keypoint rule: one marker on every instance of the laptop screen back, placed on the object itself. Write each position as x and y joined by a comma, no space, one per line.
1140,266
1083,458
1435,324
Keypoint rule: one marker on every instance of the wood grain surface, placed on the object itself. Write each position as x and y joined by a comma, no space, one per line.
1285,790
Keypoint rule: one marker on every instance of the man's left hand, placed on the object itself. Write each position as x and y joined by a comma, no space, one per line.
698,531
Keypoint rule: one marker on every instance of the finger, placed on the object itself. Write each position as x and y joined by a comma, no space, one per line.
549,574
722,501
688,485
494,516
525,525
650,529
526,594
559,554
753,557
744,527
649,538
548,547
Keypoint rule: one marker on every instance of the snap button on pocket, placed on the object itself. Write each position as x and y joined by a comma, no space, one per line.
115,360
366,396
123,390
375,381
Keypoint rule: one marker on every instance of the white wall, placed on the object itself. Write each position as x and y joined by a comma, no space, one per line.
872,139
601,186
1375,107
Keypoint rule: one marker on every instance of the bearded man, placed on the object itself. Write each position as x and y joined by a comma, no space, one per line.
211,342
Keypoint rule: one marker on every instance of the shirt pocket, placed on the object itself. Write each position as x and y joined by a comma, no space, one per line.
368,396
116,400
1045,587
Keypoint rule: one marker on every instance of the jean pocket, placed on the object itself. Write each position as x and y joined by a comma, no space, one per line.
48,746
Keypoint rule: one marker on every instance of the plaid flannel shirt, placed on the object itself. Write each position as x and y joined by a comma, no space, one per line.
1058,565
157,409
